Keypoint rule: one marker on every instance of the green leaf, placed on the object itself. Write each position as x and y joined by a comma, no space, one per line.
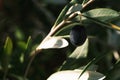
93,61
19,34
99,14
74,74
102,23
102,14
92,67
24,45
53,42
77,57
8,46
28,42
81,51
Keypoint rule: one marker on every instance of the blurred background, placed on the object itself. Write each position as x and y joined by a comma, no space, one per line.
21,19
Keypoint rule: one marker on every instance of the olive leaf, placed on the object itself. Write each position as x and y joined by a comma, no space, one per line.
74,74
102,14
78,55
102,23
80,51
53,42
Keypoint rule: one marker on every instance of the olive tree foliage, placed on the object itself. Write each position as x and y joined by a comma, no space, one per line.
85,38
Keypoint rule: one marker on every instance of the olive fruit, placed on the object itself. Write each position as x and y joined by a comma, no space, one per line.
78,35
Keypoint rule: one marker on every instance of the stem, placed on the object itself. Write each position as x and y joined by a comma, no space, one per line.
84,1
29,64
86,4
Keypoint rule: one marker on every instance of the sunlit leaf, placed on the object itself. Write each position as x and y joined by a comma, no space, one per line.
74,75
53,42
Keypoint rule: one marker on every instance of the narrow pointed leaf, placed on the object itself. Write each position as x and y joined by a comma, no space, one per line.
8,46
102,14
7,55
28,42
105,24
80,51
78,55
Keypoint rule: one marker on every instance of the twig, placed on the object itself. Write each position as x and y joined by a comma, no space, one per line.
86,4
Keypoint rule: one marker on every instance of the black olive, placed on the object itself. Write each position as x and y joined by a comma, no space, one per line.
78,35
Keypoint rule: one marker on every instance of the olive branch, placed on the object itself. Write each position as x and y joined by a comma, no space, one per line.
60,23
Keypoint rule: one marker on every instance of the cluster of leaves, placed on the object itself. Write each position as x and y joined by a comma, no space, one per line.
104,53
